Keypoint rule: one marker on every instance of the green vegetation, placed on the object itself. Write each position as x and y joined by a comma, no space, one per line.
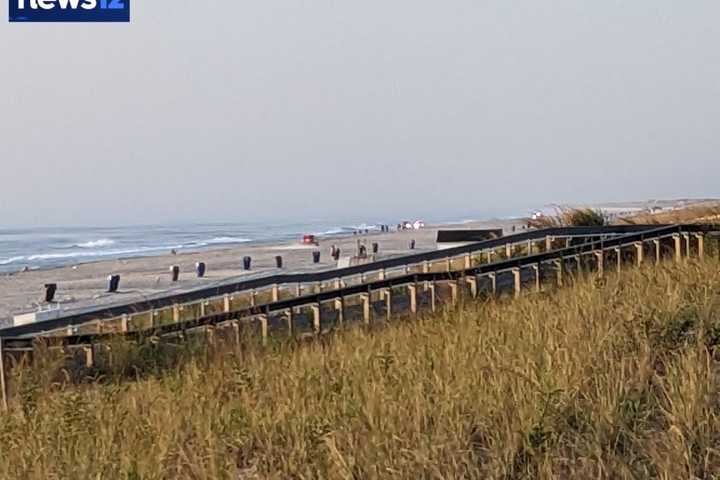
604,379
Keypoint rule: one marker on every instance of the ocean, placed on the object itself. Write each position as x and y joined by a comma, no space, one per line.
46,247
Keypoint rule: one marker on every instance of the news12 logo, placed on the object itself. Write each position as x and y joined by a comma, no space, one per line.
69,10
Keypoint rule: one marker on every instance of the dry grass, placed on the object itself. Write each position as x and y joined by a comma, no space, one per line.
606,379
572,217
706,212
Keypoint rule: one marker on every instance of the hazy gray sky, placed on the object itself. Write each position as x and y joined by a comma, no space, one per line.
237,110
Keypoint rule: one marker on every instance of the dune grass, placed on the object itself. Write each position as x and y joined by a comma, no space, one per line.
572,217
705,212
608,378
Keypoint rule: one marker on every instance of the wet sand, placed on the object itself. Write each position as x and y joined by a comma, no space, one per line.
84,285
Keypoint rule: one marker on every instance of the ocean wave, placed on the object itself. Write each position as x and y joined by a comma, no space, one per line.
348,230
103,242
225,240
8,261
40,257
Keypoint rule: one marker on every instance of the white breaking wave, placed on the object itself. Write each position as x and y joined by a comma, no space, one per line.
225,240
348,230
8,261
118,252
103,242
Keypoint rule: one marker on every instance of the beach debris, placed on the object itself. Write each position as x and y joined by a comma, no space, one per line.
200,269
316,256
50,290
247,261
113,283
278,261
175,273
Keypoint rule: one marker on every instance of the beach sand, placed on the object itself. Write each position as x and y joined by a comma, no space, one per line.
84,285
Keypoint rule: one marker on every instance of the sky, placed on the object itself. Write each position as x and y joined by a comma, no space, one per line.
282,109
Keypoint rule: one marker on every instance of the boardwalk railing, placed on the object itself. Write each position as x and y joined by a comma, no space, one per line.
680,236
548,239
598,246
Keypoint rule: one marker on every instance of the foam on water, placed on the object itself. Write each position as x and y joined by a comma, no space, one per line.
103,242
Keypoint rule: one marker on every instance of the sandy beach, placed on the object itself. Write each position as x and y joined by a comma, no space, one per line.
85,285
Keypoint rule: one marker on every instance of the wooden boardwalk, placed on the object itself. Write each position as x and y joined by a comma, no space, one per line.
311,303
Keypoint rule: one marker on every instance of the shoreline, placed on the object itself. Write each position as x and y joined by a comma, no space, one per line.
81,285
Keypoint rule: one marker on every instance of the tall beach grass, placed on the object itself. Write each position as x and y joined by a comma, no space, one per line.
609,378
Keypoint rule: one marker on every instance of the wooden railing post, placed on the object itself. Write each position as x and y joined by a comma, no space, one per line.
453,291
618,257
639,253
226,303
412,293
263,319
210,334
468,261
316,318
340,307
253,298
472,282
600,259
508,250
236,333
275,292
701,245
289,318
381,276
516,281
388,303
433,306
686,236
656,243
678,247
548,243
493,282
536,271
559,271
3,379
367,313
89,356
